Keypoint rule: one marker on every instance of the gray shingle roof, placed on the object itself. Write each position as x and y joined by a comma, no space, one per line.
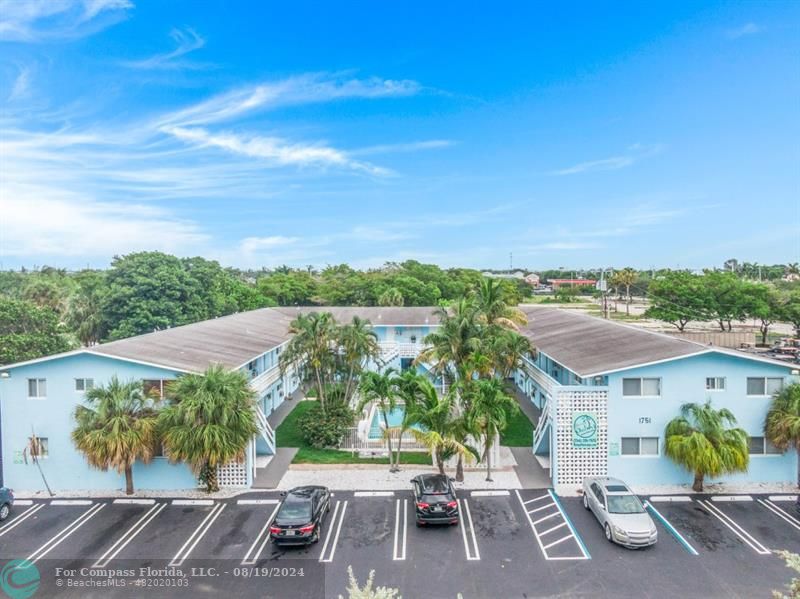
378,315
229,340
588,345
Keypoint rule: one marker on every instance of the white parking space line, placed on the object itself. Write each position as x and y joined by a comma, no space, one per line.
252,555
192,502
783,497
198,534
129,535
781,513
734,527
23,502
373,494
400,524
541,532
135,501
490,493
340,513
670,499
71,502
723,498
11,525
257,501
466,522
65,532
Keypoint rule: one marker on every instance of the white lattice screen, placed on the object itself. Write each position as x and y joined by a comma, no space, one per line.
574,463
233,474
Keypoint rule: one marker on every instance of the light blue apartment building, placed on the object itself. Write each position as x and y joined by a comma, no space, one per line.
608,390
40,396
605,391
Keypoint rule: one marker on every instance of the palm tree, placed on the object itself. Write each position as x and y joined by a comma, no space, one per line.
490,408
507,349
359,344
381,389
625,278
439,428
782,425
117,426
391,297
493,306
457,336
310,350
210,421
703,441
408,386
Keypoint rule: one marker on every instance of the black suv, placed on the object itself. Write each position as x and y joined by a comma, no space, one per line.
435,499
299,519
6,501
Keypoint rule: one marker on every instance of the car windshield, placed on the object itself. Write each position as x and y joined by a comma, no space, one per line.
434,485
295,510
624,504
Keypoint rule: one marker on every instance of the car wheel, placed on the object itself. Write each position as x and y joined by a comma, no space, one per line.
419,524
585,501
317,533
4,511
609,536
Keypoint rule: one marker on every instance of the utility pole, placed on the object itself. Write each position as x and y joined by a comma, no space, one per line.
510,260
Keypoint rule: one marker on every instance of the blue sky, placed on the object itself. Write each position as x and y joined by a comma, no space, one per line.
578,135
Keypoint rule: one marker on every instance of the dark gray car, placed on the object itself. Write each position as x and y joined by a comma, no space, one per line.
6,501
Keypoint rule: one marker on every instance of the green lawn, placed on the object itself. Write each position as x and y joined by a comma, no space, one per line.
309,455
288,434
519,431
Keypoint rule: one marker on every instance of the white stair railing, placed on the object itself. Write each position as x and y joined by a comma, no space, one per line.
265,429
541,426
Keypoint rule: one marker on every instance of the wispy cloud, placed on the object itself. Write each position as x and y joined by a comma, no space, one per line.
414,146
22,85
274,150
634,153
743,31
37,20
303,89
186,40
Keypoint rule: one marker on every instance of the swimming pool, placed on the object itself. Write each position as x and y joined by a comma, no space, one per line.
395,418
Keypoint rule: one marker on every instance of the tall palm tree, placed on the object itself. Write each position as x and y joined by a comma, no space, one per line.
625,278
507,349
408,386
494,308
381,389
782,425
439,427
359,344
489,411
116,426
703,441
310,350
456,338
210,421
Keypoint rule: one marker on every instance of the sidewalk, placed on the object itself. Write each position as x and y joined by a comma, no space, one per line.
530,472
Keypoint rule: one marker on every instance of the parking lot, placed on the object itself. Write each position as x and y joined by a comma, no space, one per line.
508,544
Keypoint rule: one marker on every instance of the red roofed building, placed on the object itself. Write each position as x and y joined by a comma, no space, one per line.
556,283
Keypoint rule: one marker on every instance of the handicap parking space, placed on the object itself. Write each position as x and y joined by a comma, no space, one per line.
555,534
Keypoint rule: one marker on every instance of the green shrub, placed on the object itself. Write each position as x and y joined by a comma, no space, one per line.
326,429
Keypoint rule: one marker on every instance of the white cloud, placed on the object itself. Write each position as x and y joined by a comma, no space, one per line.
250,245
22,84
432,144
274,150
35,20
186,40
636,152
743,31
370,233
303,89
43,222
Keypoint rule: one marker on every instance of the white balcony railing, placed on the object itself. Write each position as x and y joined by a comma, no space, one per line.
545,382
265,380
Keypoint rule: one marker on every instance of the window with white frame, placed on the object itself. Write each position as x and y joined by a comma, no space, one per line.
640,446
762,446
761,386
155,387
42,448
37,388
641,387
715,383
83,385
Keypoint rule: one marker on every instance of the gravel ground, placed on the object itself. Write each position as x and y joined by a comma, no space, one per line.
372,479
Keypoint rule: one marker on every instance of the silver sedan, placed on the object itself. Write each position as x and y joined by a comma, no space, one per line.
619,511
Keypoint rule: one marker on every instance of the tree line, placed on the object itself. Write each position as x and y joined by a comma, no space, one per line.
679,297
51,310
